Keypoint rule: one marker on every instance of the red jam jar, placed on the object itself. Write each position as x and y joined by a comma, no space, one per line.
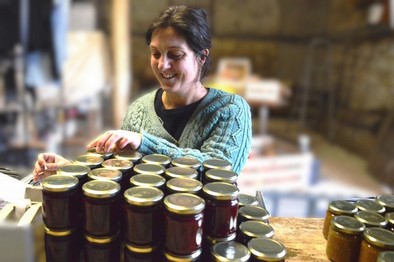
62,246
145,168
220,175
253,229
387,201
133,253
246,213
158,159
102,207
230,251
187,161
131,155
266,249
175,172
371,219
221,209
124,166
91,160
104,155
183,224
104,249
143,216
183,185
247,200
375,240
59,197
336,208
150,180
370,205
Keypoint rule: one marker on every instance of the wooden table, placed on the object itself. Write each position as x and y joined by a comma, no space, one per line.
302,237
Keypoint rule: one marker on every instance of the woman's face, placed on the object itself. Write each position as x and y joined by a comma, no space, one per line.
173,62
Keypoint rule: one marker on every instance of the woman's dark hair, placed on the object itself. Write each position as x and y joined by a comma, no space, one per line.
192,24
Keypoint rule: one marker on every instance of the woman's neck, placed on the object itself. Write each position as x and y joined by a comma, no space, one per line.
175,100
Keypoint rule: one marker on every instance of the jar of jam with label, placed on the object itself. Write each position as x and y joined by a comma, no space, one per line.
220,175
246,213
91,160
336,208
390,221
158,159
230,251
266,249
175,172
62,245
252,229
344,239
387,201
247,200
102,249
102,207
370,205
153,169
140,254
124,166
183,185
130,155
371,219
59,195
104,155
221,209
375,240
143,216
386,256
150,180
183,224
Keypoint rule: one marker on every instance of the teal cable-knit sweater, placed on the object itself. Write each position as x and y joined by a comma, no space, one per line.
220,127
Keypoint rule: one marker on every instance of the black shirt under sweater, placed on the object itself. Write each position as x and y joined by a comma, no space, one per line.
174,120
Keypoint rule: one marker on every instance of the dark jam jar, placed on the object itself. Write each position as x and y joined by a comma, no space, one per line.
230,251
196,256
375,240
370,205
62,246
220,175
336,208
214,163
175,172
246,213
104,155
106,249
131,155
266,249
344,239
144,168
386,256
186,162
102,207
124,166
183,185
91,160
183,224
75,170
158,159
387,201
148,180
143,216
140,254
247,200
390,221
221,209
371,219
59,197
252,229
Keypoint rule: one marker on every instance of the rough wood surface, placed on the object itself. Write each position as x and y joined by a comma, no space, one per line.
302,237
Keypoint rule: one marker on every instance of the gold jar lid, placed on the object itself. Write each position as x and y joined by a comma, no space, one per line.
105,173
174,172
266,249
58,233
342,207
140,249
220,191
247,200
254,228
186,162
101,240
386,201
214,240
131,155
145,168
370,205
254,213
370,219
184,185
187,258
184,203
230,251
104,155
216,163
158,159
76,170
147,180
101,188
143,196
379,237
90,160
118,164
221,175
385,256
59,183
347,225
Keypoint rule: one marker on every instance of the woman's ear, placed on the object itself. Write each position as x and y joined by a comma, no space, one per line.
203,55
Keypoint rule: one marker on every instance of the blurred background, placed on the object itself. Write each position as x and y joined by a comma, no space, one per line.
318,75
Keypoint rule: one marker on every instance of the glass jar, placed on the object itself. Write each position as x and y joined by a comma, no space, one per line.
390,220
158,159
75,170
183,224
190,162
252,229
266,249
370,205
220,175
175,172
336,208
62,246
150,180
143,216
214,163
145,168
183,185
102,207
247,200
375,240
387,201
104,155
124,166
246,213
130,155
386,256
59,195
371,219
91,160
230,251
221,209
186,258
344,238
106,249
140,254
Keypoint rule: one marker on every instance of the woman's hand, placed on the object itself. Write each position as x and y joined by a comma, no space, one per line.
114,140
47,164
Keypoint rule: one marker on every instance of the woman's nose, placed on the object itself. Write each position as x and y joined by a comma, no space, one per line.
163,63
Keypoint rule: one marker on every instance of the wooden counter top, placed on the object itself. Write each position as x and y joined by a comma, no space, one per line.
302,237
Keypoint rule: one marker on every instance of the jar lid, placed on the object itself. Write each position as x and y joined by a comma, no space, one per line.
342,207
184,203
230,251
131,155
214,240
247,200
254,228
176,171
184,185
158,159
267,249
192,257
221,175
385,256
59,183
143,196
90,160
221,190
390,217
58,233
386,200
379,237
139,249
119,164
146,168
74,170
370,205
104,155
186,162
101,240
369,218
105,173
101,188
254,213
347,224
147,180
216,163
